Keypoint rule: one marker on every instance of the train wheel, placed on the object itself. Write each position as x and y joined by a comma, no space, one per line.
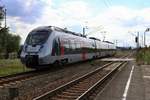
56,63
64,62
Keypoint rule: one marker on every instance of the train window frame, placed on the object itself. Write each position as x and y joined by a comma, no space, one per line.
29,39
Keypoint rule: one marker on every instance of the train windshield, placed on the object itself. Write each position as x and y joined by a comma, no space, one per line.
37,37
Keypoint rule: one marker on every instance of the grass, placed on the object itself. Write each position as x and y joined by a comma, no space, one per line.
121,53
11,66
143,56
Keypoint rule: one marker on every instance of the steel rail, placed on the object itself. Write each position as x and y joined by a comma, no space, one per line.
20,76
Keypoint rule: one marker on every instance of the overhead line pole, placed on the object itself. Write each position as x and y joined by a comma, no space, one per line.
144,39
83,31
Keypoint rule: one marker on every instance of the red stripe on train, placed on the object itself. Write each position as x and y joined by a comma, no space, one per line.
83,55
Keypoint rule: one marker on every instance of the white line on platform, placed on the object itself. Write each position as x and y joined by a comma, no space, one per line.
127,84
146,77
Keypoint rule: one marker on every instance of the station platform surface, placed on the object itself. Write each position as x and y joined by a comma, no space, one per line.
117,59
131,83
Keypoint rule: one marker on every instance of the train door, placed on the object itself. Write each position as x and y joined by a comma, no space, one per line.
56,47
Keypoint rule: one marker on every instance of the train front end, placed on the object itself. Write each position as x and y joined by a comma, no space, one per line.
35,50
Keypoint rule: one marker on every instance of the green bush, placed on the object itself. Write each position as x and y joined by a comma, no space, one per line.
143,56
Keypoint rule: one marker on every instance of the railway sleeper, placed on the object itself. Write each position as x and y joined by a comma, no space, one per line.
78,89
71,93
66,97
82,86
85,82
55,98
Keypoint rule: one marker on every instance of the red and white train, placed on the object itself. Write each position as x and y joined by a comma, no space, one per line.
52,45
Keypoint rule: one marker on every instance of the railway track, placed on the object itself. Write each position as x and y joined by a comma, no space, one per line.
23,76
20,77
5,80
82,87
128,55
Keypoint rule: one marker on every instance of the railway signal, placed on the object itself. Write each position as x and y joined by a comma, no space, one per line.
136,39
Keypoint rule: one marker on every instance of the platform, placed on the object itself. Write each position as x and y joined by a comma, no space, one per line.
131,83
117,59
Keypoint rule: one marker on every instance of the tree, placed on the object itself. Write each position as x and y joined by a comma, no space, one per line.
2,30
2,14
3,39
8,42
12,44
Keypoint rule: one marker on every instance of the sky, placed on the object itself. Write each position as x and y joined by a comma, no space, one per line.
112,20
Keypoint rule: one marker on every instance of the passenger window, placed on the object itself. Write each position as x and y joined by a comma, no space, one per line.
72,45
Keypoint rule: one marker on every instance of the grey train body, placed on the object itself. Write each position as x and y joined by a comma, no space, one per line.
52,45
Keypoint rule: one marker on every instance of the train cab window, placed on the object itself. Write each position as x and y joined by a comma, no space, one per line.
37,37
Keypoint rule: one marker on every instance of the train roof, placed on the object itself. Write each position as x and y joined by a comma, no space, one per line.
108,42
94,38
43,28
50,28
67,31
100,40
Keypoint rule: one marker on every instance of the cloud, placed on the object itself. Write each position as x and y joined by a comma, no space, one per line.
26,10
19,27
67,14
116,20
28,16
